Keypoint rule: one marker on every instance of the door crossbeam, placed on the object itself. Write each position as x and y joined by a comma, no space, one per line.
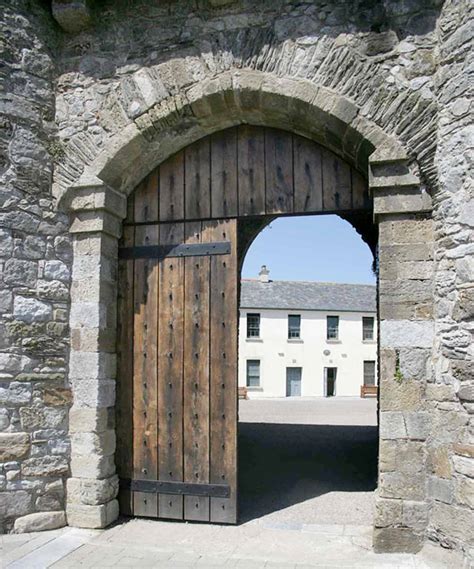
178,250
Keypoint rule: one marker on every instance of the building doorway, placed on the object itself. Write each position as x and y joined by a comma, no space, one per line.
330,374
293,382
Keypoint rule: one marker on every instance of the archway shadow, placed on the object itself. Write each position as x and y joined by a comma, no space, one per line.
284,464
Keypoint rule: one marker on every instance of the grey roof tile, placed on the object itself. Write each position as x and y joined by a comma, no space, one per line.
301,295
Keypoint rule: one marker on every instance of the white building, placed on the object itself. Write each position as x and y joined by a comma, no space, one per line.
306,338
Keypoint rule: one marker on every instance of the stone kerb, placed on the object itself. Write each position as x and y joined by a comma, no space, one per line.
96,216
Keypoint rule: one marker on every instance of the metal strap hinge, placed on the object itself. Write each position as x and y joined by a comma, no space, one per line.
180,488
180,250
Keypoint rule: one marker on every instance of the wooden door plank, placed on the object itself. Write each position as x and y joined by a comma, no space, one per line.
144,365
146,200
170,371
198,180
278,171
196,374
223,371
124,405
336,182
360,193
171,192
224,173
251,173
308,176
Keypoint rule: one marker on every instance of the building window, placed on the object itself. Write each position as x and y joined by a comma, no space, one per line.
253,325
369,373
368,328
332,330
253,373
294,326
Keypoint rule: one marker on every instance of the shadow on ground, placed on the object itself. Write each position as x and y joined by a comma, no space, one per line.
283,464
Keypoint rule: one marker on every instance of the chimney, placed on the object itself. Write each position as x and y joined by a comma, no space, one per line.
263,274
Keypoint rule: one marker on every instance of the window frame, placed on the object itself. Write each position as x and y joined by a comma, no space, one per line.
328,328
257,315
364,328
290,328
247,376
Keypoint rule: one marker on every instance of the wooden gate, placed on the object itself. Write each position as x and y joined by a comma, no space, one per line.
176,419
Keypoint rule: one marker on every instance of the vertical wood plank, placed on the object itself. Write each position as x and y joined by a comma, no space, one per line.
196,374
170,371
124,405
336,182
197,180
171,190
278,171
307,175
223,371
224,173
145,201
251,173
360,192
145,355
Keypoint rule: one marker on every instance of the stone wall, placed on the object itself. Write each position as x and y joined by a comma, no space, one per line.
450,393
141,80
35,258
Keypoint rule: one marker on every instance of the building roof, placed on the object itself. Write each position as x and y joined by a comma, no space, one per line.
301,295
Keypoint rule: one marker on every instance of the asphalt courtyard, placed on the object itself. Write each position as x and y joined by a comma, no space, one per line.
307,474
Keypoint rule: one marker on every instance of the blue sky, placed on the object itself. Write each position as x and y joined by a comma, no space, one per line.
311,248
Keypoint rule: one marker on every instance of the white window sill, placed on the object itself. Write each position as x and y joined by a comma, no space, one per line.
256,340
254,388
333,342
369,341
295,341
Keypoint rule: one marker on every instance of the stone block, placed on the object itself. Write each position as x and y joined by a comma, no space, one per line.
93,517
415,515
92,492
413,362
56,396
418,425
92,365
34,418
102,444
16,393
453,521
83,420
400,396
464,493
93,393
464,449
40,522
441,489
397,540
406,334
14,446
466,392
94,466
402,486
30,310
439,462
392,425
387,512
13,504
401,456
88,315
464,465
45,466
20,272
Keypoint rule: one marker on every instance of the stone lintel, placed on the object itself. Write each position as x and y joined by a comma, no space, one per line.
401,201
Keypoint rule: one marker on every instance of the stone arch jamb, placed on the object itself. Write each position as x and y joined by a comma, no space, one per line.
401,209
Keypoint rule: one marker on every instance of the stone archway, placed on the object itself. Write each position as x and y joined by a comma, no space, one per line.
401,209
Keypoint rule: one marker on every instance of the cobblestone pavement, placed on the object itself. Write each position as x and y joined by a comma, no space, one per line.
148,543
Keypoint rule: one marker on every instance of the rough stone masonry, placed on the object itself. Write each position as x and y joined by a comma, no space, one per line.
96,95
